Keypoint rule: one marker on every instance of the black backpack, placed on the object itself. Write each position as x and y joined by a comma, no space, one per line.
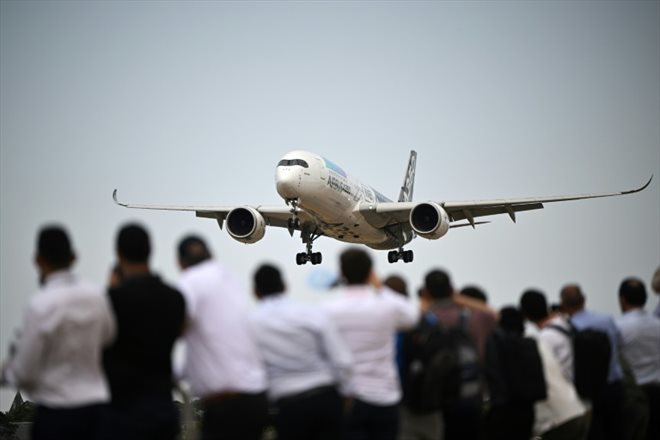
521,368
441,366
591,359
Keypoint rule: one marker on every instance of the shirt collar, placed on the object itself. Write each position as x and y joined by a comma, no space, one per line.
59,278
359,289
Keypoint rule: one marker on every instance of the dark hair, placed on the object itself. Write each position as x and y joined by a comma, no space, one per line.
397,284
268,280
355,266
571,297
474,292
633,291
438,284
133,243
512,320
54,246
193,250
533,305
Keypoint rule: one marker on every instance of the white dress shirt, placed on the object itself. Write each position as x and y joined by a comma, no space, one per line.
58,357
562,403
560,343
300,346
640,335
221,354
367,320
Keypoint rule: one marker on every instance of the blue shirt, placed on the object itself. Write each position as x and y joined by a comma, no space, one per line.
640,336
598,321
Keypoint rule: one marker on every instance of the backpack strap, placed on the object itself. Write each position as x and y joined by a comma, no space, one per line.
562,330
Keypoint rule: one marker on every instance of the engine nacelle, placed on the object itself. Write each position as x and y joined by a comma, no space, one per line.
429,220
246,224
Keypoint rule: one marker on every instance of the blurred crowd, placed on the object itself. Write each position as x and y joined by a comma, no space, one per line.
370,362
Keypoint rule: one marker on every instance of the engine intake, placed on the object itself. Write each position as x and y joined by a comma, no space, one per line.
246,224
429,220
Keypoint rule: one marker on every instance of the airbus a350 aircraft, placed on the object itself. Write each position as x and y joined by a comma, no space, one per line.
322,200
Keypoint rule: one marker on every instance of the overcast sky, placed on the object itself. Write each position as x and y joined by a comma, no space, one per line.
195,103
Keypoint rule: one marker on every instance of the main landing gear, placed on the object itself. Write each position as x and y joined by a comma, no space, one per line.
308,238
394,256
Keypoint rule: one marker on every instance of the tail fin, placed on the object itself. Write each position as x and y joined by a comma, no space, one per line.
406,193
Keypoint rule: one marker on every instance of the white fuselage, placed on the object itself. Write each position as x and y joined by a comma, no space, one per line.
332,199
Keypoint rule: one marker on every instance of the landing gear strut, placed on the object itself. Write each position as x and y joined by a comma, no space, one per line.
294,222
314,257
394,256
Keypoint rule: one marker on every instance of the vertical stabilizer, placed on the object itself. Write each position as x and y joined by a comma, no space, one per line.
406,193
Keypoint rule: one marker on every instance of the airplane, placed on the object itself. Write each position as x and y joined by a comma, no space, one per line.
321,199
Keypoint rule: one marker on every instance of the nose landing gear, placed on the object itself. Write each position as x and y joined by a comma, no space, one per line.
394,256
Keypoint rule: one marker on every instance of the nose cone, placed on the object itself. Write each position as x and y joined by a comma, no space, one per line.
287,182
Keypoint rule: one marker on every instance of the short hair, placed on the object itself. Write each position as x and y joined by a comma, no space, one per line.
633,291
54,246
193,250
534,305
571,297
355,265
438,284
268,280
397,284
133,243
512,320
475,292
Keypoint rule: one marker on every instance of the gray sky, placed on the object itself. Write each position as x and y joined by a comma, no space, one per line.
195,102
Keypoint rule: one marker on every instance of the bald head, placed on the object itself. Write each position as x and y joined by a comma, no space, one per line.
572,299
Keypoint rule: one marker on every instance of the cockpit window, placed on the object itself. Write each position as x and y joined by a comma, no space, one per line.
292,162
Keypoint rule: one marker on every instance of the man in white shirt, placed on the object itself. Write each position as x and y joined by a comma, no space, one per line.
222,362
306,361
640,346
553,329
562,415
58,358
368,317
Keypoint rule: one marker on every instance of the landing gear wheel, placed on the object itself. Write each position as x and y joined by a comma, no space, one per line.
392,257
316,258
301,258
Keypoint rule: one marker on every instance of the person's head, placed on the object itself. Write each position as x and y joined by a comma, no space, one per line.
192,250
512,320
268,281
133,245
534,305
53,250
355,265
437,285
397,284
572,299
632,294
475,293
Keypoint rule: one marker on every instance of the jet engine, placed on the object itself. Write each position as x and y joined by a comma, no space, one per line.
246,224
429,220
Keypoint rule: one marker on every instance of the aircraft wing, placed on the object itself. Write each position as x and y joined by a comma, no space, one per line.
273,215
469,210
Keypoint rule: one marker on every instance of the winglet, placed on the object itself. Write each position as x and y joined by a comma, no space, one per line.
114,197
642,188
